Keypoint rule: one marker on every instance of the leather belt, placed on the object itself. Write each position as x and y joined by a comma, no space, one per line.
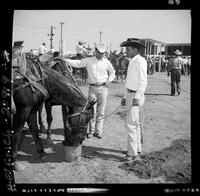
131,91
99,84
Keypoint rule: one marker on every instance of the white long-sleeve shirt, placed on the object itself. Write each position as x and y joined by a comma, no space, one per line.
137,75
99,71
80,49
42,49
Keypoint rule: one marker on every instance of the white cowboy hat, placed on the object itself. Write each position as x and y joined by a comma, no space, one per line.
178,52
101,47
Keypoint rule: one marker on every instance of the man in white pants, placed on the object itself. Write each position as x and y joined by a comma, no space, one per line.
136,83
100,74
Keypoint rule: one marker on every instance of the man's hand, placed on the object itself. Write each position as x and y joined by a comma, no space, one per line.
135,102
168,74
123,102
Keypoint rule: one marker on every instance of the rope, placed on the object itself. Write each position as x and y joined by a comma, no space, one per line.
106,116
141,117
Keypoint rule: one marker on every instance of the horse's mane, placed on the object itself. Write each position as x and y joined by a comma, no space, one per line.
57,82
33,68
64,84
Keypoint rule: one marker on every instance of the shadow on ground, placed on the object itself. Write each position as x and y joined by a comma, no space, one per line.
103,153
55,150
173,163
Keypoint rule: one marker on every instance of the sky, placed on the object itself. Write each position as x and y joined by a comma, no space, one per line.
33,27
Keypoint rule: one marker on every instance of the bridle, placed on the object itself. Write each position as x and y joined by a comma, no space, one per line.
80,114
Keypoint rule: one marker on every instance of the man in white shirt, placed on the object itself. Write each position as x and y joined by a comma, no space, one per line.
80,50
136,83
100,74
42,49
175,66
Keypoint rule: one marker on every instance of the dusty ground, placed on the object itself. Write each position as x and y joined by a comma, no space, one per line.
166,151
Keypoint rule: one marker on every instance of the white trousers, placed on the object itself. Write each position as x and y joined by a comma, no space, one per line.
100,94
133,127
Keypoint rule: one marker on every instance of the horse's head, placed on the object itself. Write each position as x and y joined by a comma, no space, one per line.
77,123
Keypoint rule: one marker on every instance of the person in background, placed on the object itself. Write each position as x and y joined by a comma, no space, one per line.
42,49
52,50
136,83
189,65
175,66
80,50
100,74
18,58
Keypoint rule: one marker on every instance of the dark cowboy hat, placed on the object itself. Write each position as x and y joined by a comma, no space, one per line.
18,43
132,42
56,54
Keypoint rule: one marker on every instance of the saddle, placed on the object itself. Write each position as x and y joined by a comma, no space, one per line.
33,73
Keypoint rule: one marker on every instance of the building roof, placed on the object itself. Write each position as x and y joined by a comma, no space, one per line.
178,44
154,41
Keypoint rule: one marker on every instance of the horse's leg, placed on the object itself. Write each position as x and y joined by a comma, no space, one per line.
64,114
121,75
85,75
117,74
42,127
19,120
32,123
48,108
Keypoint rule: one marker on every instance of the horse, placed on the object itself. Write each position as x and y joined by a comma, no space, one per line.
121,69
59,65
150,66
28,97
120,64
82,71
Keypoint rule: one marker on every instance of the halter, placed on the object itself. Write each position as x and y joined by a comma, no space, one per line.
80,114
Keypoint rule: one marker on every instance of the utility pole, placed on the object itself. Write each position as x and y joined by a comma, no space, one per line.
100,35
61,41
51,37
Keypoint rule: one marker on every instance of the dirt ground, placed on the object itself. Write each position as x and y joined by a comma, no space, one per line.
166,150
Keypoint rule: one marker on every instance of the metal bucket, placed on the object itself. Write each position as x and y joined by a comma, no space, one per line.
72,153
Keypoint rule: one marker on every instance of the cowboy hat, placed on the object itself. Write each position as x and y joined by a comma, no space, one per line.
132,42
56,54
18,44
101,47
80,42
177,52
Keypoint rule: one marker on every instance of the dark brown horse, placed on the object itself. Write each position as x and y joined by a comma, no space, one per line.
28,98
81,71
120,64
59,65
